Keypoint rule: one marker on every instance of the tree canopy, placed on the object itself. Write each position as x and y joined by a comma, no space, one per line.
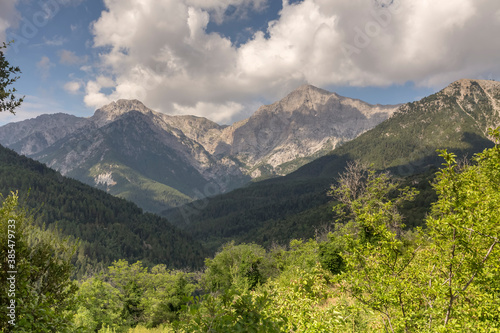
36,269
8,75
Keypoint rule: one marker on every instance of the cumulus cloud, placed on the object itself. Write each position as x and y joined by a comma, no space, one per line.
160,52
94,96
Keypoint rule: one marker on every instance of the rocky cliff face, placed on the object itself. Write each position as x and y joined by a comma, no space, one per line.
189,154
307,122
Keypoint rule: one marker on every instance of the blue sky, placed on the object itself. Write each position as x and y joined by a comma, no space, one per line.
222,59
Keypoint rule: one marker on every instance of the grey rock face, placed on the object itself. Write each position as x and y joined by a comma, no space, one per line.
305,122
31,136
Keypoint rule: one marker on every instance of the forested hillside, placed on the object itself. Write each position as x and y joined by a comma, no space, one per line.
109,228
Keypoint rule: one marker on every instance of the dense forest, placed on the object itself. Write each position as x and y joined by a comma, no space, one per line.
108,228
367,273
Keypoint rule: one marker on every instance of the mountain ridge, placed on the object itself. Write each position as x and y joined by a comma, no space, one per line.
163,161
277,139
295,205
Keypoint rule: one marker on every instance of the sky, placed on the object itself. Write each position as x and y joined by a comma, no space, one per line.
222,59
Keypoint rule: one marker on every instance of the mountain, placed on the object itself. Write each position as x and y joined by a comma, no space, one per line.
31,136
456,118
161,161
294,206
109,228
129,157
304,125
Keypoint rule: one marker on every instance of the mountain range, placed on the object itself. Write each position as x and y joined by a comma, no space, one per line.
161,161
127,147
276,210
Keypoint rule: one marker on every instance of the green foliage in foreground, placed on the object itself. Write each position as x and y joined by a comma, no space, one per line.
41,288
294,293
444,279
127,295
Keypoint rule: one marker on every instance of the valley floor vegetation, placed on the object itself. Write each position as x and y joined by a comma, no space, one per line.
369,274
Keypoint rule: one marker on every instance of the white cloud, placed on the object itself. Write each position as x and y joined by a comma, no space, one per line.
159,51
105,82
94,96
303,46
87,69
44,66
55,41
73,87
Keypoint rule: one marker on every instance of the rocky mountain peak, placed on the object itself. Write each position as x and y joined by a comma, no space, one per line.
308,88
127,104
113,110
306,95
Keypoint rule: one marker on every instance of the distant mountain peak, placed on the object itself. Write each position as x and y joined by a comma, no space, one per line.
305,88
113,110
125,105
306,95
308,91
130,102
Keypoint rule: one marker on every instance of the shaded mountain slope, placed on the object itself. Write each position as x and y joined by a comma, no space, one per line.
110,228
